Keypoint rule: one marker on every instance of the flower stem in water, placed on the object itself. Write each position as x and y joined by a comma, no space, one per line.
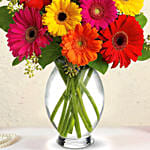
75,110
57,107
83,112
91,99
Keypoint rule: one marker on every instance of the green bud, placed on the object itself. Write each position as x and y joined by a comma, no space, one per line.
148,37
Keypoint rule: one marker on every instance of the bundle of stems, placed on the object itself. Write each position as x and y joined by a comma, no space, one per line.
73,105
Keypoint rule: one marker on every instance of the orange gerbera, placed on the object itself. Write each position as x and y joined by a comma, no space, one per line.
80,46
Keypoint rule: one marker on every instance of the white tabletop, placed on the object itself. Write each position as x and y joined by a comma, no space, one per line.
105,139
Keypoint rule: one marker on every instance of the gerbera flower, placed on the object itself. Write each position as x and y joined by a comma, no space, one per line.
99,13
27,34
124,41
80,45
129,7
35,3
61,16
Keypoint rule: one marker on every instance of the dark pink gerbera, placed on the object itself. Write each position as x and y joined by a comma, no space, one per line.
99,13
27,35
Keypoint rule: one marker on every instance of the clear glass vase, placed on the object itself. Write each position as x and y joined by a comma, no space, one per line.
74,102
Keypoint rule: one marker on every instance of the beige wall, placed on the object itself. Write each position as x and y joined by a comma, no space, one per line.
127,92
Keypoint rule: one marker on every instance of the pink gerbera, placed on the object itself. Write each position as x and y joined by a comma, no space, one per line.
27,34
99,13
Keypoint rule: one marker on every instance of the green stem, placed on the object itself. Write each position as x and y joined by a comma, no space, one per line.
70,129
66,119
80,77
83,112
91,99
61,121
66,97
88,76
69,125
75,110
57,106
87,126
83,74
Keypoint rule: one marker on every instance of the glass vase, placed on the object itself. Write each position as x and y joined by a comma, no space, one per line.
74,102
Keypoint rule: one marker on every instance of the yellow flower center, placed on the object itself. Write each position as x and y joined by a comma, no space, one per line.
97,11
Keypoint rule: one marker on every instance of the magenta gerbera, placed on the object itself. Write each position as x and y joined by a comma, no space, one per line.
27,35
99,13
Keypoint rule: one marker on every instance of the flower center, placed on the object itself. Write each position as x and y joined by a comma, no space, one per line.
80,43
62,16
120,40
31,34
96,11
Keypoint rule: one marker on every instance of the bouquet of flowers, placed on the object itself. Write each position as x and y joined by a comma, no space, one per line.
78,35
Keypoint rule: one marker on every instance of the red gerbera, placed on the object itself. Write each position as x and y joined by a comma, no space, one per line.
35,3
123,41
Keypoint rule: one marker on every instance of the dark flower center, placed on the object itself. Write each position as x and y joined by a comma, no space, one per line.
120,40
62,16
96,11
31,34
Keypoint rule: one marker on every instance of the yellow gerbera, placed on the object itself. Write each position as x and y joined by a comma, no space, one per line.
61,16
129,7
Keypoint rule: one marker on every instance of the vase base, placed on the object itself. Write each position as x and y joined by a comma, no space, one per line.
75,143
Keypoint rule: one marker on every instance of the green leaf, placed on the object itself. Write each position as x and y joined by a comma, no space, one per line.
99,65
49,54
60,64
5,18
141,19
145,53
57,39
16,61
